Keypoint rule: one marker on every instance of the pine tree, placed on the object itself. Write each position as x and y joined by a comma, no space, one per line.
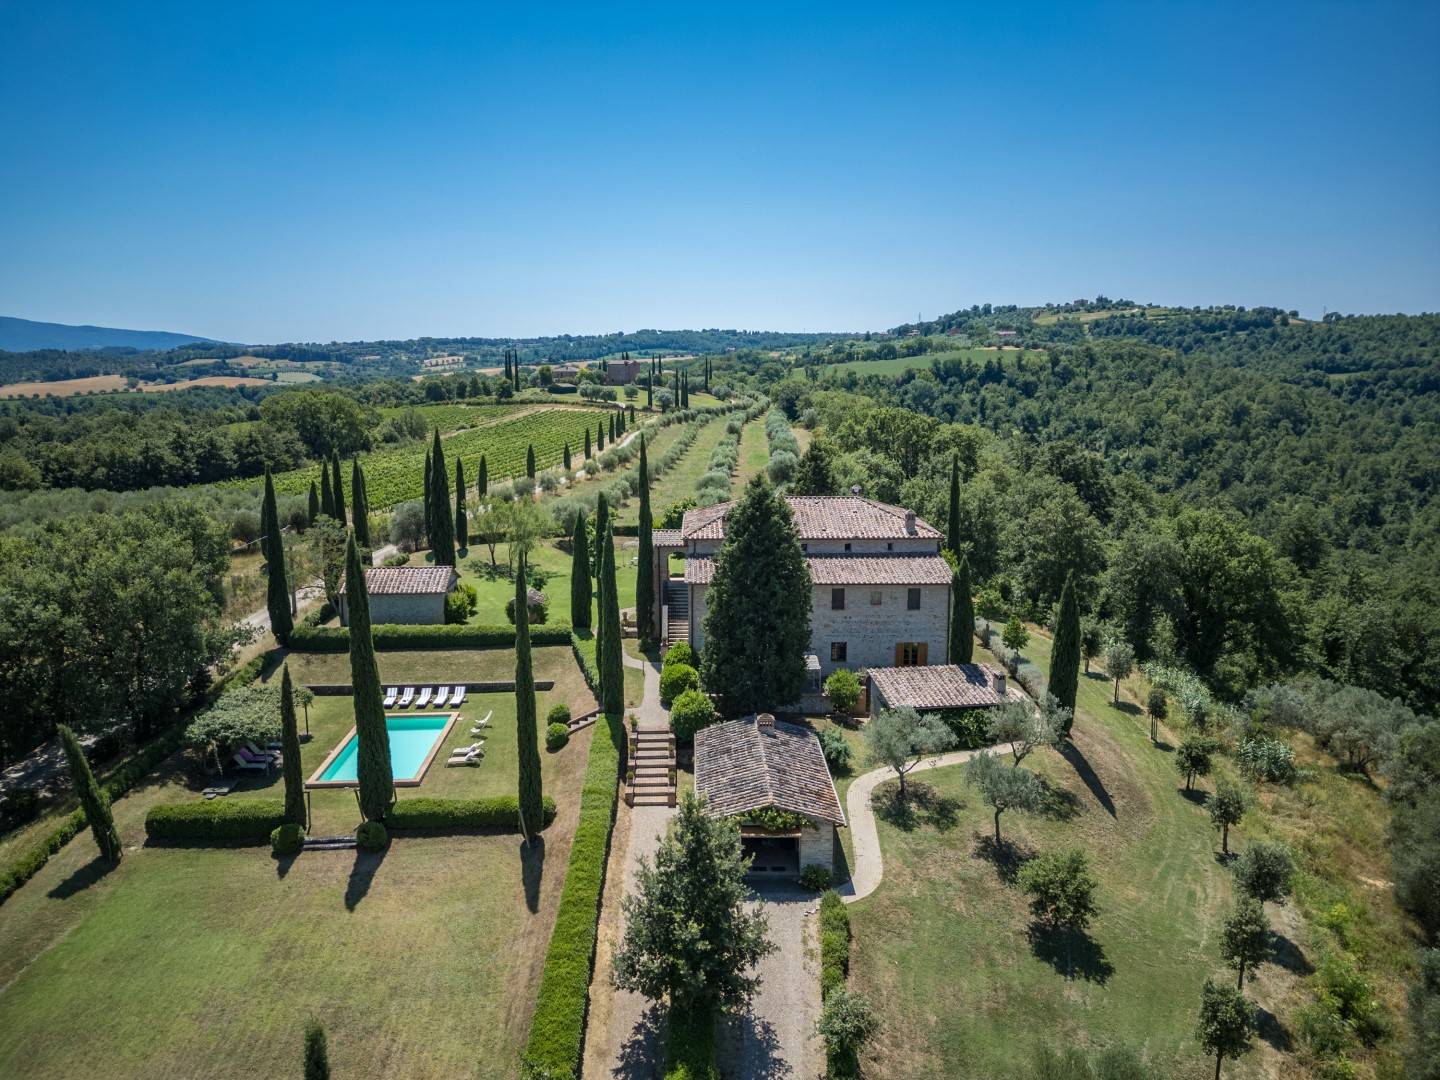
952,524
757,619
337,489
442,544
645,578
377,780
482,486
327,503
608,649
462,521
277,589
567,457
1065,653
313,510
360,510
527,740
317,1053
530,461
580,591
92,799
290,752
962,615
587,442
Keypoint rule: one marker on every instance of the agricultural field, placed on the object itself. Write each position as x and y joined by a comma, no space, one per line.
901,364
110,384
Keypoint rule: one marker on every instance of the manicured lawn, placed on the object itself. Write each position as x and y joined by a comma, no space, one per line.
679,482
942,945
754,453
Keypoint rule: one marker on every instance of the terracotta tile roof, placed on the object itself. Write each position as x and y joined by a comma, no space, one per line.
849,569
821,517
666,537
944,686
407,580
740,768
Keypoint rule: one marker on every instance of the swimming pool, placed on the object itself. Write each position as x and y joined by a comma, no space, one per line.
413,743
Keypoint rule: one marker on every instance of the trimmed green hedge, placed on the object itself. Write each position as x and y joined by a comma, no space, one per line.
557,1030
502,812
217,821
592,676
834,943
397,637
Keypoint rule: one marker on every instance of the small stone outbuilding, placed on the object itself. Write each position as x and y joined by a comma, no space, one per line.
404,594
941,688
771,776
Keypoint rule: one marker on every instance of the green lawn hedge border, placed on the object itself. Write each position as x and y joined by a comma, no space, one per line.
28,863
557,1030
834,943
397,637
440,815
222,822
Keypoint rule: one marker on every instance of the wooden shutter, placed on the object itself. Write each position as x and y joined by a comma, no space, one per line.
923,653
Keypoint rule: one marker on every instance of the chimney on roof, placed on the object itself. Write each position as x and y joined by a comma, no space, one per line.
910,522
765,722
997,681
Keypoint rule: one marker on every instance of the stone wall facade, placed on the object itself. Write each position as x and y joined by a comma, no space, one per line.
818,846
426,608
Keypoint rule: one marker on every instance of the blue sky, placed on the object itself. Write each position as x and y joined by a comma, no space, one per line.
290,172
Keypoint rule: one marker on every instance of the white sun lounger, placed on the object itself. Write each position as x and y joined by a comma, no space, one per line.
442,696
460,750
391,693
482,723
424,698
407,697
459,698
472,758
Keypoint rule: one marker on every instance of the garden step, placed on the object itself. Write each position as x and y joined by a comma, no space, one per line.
330,843
661,772
651,800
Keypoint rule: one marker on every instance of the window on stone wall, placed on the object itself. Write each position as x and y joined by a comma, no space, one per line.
837,652
876,598
912,599
837,599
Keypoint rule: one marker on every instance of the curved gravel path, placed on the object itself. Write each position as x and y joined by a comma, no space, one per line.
869,867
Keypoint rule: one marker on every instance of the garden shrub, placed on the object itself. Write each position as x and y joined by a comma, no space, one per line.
843,690
287,839
675,679
815,877
969,726
537,603
690,712
496,812
1267,759
679,653
585,663
218,821
836,750
371,835
556,736
834,943
460,603
558,714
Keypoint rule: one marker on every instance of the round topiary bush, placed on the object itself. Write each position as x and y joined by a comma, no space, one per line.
680,653
559,714
675,679
371,836
556,736
287,839
692,711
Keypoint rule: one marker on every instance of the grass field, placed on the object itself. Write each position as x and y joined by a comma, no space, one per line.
679,482
105,384
754,453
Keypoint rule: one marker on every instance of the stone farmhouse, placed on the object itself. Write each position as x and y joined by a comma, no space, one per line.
404,594
880,590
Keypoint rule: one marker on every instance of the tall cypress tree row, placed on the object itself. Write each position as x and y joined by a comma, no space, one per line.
462,521
442,544
313,510
360,509
290,752
962,615
580,594
482,485
645,579
327,503
277,588
608,648
530,461
527,738
1065,653
92,799
952,526
377,780
429,495
337,489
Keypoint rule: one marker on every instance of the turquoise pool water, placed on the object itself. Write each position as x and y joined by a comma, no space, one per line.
411,738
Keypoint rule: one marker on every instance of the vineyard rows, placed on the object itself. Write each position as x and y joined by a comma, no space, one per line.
452,417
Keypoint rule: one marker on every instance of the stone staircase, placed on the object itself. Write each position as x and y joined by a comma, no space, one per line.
677,600
650,774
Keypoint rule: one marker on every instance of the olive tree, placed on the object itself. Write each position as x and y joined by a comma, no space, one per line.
899,738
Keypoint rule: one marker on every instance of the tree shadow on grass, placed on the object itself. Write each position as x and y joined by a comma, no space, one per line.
367,864
1057,804
1072,953
283,863
1289,955
532,871
756,1044
923,805
1194,795
1269,1028
81,878
1071,753
1006,856
643,1054
1163,746
1129,708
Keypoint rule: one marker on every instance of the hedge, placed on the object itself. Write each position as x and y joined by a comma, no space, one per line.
690,1045
834,943
29,863
502,811
398,636
557,1029
217,821
592,677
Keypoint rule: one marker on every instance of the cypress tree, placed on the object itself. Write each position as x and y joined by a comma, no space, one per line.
587,442
327,503
360,509
962,615
608,648
515,373
277,589
610,426
527,739
650,390
442,544
377,780
92,799
602,524
429,495
482,486
580,594
632,413
337,489
645,579
530,461
313,511
567,457
952,525
600,436
462,522
317,1053
1065,653
290,752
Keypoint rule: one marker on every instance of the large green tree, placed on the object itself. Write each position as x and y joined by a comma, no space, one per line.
962,614
442,543
1245,938
377,779
272,546
462,519
581,595
609,655
337,489
899,738
527,739
815,475
92,799
290,752
1065,654
1227,1022
360,509
645,576
757,619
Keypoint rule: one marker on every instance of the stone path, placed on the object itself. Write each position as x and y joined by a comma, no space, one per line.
869,868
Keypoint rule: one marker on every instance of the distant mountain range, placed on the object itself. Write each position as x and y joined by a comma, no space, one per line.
24,335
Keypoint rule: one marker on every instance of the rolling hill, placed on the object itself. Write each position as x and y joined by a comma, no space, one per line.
23,335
